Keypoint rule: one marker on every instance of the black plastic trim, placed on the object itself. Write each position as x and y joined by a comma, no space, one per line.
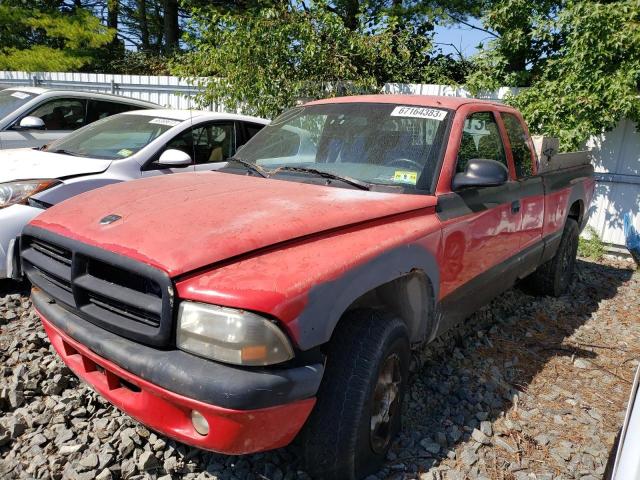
78,300
185,374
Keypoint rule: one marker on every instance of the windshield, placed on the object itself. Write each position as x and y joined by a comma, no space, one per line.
375,143
11,100
113,138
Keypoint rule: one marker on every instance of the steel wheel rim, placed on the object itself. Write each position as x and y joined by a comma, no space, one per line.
386,403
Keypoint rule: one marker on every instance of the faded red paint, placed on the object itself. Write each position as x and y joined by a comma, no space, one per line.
277,282
452,103
179,223
233,432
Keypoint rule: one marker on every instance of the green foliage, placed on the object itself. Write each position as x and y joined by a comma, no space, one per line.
580,60
593,81
138,63
591,246
266,59
522,38
35,39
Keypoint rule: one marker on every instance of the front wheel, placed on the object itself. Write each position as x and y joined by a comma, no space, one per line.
553,277
359,405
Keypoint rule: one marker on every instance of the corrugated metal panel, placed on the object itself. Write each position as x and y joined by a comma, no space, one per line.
616,157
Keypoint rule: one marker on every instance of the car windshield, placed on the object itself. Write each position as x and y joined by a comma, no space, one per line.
376,143
113,138
11,100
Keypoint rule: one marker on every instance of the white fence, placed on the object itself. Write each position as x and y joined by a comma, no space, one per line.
616,154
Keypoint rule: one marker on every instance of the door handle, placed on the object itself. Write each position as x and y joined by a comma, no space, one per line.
515,206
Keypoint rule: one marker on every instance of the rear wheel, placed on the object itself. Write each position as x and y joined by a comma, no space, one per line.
359,403
553,277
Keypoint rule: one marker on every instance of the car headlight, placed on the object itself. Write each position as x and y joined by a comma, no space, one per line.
12,193
231,336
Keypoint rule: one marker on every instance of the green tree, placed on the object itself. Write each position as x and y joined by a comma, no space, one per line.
39,37
521,39
580,62
264,59
594,79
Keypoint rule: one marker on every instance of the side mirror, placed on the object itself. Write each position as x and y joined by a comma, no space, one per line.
31,123
174,158
481,172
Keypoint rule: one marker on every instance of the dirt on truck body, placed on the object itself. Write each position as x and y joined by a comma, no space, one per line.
279,298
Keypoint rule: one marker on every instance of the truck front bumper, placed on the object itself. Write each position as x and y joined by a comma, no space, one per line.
230,430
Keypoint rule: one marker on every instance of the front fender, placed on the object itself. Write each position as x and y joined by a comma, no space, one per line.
308,285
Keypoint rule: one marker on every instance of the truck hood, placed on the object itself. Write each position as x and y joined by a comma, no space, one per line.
186,221
26,163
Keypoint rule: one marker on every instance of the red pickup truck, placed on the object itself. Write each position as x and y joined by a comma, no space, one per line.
279,298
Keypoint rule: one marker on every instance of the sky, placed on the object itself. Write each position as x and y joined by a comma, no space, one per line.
465,39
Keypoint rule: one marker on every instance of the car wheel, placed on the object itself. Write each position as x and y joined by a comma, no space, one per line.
359,405
553,277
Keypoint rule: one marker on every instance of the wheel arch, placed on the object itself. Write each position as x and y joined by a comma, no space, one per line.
403,281
576,211
409,297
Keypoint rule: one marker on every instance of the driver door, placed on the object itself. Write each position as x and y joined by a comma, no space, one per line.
480,224
182,141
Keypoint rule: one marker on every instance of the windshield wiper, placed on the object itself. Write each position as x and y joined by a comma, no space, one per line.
67,152
251,166
351,181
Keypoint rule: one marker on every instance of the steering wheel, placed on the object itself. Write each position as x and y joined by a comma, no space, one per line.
406,162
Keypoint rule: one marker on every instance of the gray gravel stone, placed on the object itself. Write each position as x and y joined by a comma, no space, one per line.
148,461
469,457
461,381
480,437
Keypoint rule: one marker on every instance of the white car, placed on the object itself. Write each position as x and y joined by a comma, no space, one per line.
32,117
123,147
624,462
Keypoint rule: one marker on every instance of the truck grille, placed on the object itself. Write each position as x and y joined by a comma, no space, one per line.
114,292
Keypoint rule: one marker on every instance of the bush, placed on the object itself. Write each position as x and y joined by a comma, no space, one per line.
591,247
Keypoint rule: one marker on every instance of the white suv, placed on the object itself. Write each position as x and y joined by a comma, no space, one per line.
32,117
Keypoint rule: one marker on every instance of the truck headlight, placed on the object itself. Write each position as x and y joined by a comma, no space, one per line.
231,336
12,193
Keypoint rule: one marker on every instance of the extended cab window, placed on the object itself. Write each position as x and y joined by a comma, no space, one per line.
522,158
61,114
480,139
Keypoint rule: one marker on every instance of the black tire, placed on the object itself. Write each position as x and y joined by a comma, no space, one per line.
553,277
337,440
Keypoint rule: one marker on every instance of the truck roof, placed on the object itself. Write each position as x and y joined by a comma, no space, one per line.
419,100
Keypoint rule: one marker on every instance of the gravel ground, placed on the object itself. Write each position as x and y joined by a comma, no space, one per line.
527,388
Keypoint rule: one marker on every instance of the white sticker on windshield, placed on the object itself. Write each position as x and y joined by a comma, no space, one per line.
20,95
419,112
164,121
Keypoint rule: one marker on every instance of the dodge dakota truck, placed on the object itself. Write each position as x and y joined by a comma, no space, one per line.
279,298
